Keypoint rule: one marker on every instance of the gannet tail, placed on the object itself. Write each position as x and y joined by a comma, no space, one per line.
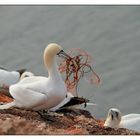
91,104
8,105
74,101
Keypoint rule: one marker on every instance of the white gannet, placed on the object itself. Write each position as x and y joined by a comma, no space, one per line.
36,92
116,120
8,78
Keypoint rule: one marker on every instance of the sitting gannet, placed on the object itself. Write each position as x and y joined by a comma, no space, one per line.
36,92
8,78
116,120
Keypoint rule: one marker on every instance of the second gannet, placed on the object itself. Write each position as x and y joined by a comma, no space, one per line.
116,120
8,78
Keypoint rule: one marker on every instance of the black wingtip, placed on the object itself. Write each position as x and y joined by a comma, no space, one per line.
76,101
21,71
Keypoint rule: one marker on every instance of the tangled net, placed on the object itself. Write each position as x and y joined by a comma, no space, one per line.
77,66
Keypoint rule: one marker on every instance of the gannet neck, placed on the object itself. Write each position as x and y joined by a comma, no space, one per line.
50,60
53,71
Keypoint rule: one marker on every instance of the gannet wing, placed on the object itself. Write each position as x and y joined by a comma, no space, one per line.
71,101
130,116
75,101
62,103
133,123
26,97
31,79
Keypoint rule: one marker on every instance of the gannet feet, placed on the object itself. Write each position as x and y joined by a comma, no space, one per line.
44,114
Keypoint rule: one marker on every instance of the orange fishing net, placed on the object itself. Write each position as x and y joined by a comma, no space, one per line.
78,65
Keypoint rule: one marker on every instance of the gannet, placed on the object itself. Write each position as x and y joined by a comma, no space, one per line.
37,92
12,77
116,120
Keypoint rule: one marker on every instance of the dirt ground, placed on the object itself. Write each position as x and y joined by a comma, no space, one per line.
67,122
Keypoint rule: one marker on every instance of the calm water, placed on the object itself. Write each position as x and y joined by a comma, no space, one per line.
110,33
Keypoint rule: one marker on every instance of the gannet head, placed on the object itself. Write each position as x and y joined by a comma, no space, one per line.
51,51
55,49
113,118
26,74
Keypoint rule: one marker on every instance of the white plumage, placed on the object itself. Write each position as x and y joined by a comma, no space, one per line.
8,78
63,102
12,77
116,120
38,92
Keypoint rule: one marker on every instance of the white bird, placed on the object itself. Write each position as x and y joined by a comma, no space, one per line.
8,78
36,92
116,120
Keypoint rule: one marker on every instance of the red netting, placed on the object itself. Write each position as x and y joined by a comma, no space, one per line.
77,66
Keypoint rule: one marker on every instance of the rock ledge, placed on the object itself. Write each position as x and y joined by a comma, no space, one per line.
67,122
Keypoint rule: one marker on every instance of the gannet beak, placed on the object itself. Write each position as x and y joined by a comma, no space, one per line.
114,114
63,55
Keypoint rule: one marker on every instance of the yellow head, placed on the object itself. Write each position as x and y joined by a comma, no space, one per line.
50,52
113,118
52,49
